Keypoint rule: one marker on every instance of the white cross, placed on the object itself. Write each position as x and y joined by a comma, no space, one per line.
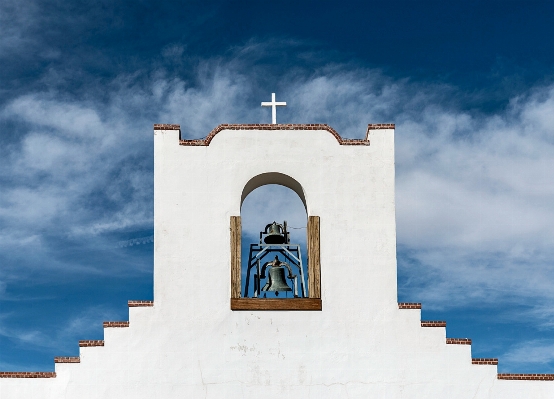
273,104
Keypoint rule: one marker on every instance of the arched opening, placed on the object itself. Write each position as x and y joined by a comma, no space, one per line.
260,208
274,178
267,198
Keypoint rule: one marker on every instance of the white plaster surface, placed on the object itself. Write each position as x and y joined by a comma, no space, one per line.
191,345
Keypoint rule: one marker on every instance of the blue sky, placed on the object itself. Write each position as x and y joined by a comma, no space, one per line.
469,85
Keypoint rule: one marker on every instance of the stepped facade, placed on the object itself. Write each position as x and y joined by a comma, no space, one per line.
199,338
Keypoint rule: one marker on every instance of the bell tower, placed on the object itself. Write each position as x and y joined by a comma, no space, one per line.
346,185
275,239
334,331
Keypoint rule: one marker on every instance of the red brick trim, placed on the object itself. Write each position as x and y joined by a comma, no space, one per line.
291,126
134,304
108,324
458,341
481,360
433,323
409,305
86,343
27,374
377,126
533,377
162,126
65,359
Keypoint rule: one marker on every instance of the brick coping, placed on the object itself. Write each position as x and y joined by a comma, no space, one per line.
51,374
289,126
467,341
433,323
530,377
166,126
108,324
409,305
486,361
135,304
458,341
67,359
91,342
27,374
401,305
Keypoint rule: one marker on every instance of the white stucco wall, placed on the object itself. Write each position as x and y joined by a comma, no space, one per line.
191,345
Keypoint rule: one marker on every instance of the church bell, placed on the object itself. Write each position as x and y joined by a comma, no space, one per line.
275,276
277,280
275,234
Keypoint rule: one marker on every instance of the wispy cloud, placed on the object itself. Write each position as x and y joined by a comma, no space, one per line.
80,326
476,184
15,18
475,201
536,352
475,191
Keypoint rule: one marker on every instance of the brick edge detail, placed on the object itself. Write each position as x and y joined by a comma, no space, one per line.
311,126
409,305
108,324
485,361
458,341
134,304
88,343
433,323
378,126
67,359
27,374
165,126
51,374
530,377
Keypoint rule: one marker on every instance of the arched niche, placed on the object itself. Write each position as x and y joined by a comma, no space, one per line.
273,178
313,249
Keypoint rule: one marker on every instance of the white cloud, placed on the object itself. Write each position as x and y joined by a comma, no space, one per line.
78,327
62,117
475,192
15,19
475,201
539,352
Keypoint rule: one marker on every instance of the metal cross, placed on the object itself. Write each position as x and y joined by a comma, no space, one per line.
273,104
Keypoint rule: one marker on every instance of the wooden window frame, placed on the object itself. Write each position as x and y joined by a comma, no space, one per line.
313,302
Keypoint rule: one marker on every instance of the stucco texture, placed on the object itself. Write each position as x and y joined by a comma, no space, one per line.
190,344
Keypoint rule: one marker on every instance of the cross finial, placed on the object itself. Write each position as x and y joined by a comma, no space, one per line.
273,104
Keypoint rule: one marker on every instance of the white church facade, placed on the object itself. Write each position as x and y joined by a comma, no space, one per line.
348,337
